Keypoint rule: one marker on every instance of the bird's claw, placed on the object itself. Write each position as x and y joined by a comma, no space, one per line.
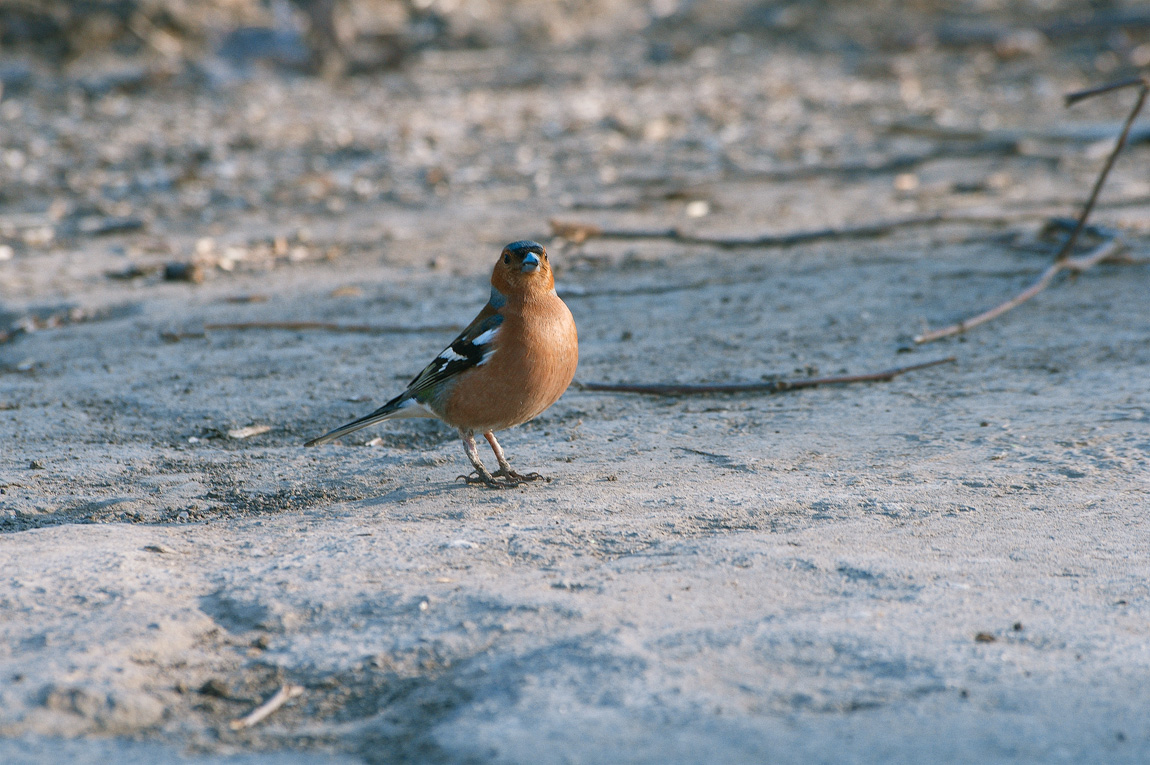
492,481
512,475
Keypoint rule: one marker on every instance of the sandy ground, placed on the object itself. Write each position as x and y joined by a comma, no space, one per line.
949,566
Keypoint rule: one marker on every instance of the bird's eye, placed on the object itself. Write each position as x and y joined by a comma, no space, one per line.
506,258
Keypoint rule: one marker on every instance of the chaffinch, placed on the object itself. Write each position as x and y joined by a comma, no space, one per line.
514,360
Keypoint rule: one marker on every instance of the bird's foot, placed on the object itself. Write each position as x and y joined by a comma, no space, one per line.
512,475
496,481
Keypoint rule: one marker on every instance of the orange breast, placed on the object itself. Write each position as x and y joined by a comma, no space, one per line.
536,353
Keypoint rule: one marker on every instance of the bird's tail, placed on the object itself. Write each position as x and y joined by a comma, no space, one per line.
400,406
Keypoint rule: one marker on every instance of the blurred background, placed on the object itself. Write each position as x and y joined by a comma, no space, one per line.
180,121
339,37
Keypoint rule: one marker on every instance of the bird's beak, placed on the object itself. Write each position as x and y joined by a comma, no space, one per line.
530,263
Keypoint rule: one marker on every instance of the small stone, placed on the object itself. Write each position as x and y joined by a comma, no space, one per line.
1021,42
905,182
40,236
247,299
37,465
1140,55
216,687
100,226
699,208
184,272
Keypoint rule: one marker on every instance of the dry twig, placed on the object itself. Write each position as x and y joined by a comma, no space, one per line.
578,232
300,326
1062,260
1118,146
266,709
328,327
248,431
1075,265
989,146
769,386
1081,95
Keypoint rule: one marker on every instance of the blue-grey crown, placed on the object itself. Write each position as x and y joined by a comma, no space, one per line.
525,244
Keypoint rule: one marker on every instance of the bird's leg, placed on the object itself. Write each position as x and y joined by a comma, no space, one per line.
481,475
505,470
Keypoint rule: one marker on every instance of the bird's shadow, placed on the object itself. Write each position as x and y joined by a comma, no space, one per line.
457,489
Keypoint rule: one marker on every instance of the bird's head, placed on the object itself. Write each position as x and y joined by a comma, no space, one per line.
523,267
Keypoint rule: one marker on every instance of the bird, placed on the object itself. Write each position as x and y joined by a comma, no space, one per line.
513,361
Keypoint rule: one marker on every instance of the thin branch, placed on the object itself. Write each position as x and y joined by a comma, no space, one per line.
1077,265
1062,260
580,232
266,709
1072,133
770,386
1080,95
574,292
300,326
995,146
957,143
325,326
1086,210
1099,21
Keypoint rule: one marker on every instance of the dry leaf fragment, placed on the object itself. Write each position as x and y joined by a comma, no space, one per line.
574,232
264,710
249,431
